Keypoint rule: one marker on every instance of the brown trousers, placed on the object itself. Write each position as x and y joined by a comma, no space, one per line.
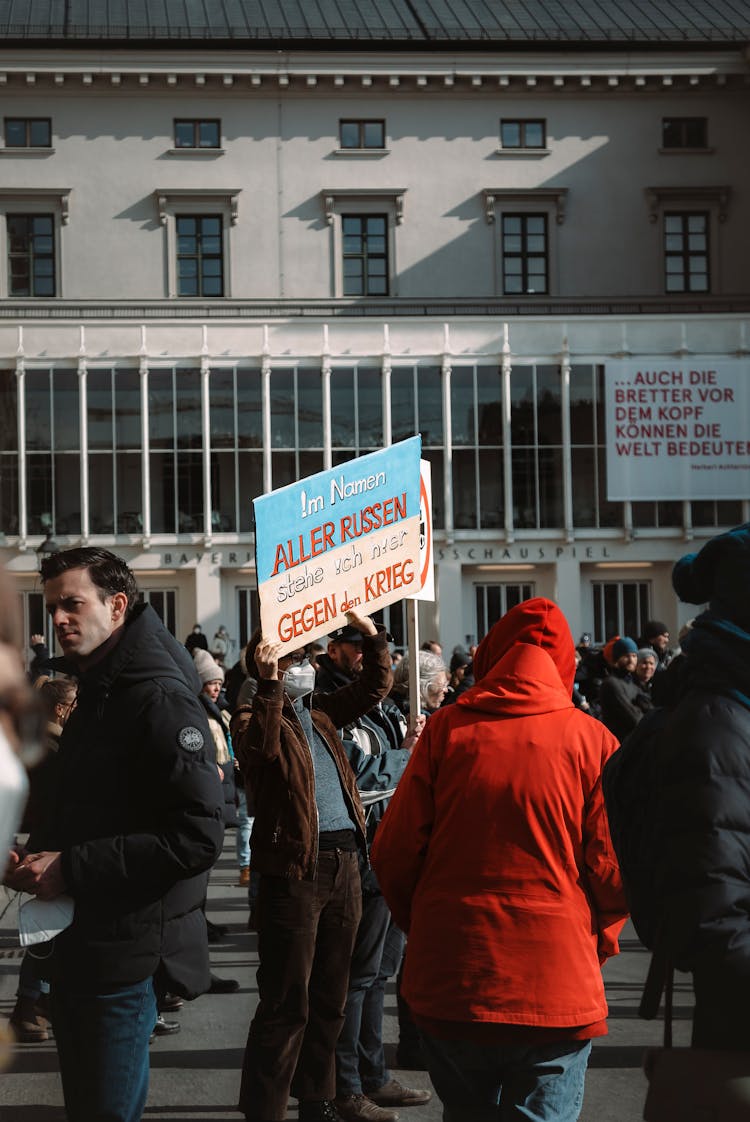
306,932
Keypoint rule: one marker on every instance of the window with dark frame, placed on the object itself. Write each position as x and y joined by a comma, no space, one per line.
31,254
523,133
684,132
28,132
200,255
361,134
194,133
686,262
525,254
365,254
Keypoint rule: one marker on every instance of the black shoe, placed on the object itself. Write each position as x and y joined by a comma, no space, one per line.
223,985
216,931
322,1111
170,1003
166,1028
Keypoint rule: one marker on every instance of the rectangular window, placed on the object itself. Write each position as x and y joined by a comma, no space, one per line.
686,252
190,133
587,435
684,132
525,254
620,608
200,255
365,254
164,603
477,479
362,134
31,255
28,132
523,134
494,600
248,611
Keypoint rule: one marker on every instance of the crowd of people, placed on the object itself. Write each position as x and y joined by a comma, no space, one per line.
462,851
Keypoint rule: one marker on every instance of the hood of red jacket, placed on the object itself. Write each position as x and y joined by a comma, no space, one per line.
525,664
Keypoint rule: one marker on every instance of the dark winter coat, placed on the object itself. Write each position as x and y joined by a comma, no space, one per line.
277,763
623,703
137,816
702,804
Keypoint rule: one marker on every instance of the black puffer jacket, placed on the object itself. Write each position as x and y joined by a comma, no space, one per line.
137,815
702,780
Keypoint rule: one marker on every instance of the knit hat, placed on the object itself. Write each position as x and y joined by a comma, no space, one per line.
654,627
646,652
207,667
622,647
718,575
459,658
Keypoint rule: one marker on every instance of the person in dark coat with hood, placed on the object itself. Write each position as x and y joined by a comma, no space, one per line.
698,897
133,826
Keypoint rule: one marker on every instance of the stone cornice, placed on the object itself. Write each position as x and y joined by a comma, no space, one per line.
305,71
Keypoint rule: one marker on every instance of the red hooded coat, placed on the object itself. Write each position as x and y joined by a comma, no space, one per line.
495,854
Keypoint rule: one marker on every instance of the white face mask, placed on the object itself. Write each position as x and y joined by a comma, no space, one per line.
299,680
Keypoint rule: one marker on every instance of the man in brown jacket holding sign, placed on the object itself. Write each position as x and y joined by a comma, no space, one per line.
309,824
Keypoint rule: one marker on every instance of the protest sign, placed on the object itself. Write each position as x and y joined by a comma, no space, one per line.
677,432
426,560
344,538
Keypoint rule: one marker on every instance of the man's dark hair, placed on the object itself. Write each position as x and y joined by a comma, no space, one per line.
108,572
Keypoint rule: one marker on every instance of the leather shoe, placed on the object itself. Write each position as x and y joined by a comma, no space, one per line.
358,1108
320,1111
170,1003
223,985
394,1093
216,931
166,1028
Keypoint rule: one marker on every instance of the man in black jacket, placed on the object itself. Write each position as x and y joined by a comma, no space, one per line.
622,699
134,825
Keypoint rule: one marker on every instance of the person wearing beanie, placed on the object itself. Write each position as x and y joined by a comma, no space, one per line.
696,804
656,636
622,700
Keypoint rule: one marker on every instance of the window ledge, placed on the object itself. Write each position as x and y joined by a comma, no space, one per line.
359,153
45,151
58,197
522,153
545,196
167,198
195,152
688,196
686,151
331,196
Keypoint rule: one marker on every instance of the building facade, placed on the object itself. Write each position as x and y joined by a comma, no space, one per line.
229,265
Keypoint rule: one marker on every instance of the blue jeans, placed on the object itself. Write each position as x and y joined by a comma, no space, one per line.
102,1044
244,829
495,1083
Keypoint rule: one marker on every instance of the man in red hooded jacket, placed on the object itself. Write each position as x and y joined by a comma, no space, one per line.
495,857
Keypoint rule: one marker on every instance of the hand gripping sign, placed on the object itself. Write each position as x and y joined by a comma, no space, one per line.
341,539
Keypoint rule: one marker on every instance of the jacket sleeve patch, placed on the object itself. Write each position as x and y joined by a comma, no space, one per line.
190,738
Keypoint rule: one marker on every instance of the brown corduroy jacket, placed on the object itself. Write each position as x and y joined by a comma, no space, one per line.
277,763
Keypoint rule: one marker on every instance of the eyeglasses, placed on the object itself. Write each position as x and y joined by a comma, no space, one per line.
295,658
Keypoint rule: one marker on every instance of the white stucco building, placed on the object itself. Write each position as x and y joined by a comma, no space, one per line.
237,254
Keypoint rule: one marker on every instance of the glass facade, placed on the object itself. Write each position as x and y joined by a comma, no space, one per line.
178,483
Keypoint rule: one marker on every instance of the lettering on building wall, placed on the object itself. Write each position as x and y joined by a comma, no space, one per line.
524,553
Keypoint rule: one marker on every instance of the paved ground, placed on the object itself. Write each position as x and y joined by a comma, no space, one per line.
195,1074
